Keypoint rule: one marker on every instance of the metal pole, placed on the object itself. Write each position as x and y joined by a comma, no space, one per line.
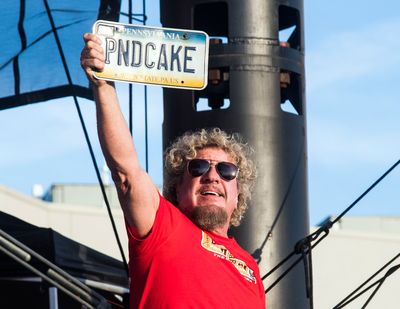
257,73
53,298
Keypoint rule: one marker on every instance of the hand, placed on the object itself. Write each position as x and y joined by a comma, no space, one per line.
92,58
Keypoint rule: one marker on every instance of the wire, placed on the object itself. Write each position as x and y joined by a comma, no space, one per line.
86,135
22,35
143,19
291,266
257,254
366,192
146,130
130,85
131,17
349,298
306,256
320,234
380,282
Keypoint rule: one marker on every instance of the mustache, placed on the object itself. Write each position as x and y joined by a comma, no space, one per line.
213,188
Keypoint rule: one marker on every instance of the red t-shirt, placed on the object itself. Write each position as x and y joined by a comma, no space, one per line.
180,266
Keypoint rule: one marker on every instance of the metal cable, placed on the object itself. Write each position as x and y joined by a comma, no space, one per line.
130,91
258,252
146,131
86,134
366,192
323,230
130,85
350,297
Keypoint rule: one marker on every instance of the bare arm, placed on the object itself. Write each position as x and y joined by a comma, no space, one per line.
137,194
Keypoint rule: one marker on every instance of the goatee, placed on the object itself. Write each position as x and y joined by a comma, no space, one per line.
209,218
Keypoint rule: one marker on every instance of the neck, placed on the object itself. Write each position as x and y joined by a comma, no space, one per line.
221,231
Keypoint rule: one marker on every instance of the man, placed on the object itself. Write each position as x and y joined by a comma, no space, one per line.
179,256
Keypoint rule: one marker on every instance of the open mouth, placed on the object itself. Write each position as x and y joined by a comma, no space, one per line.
211,193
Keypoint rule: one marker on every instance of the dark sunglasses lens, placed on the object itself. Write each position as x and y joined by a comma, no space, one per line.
198,167
227,171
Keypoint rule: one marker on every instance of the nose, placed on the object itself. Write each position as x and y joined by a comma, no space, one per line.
211,175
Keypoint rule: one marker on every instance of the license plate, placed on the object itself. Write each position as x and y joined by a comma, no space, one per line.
159,56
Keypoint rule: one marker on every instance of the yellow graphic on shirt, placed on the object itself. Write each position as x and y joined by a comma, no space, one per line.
209,244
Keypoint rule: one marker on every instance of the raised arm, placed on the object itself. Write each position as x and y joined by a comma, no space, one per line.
137,193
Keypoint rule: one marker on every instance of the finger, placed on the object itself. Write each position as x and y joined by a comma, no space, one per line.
92,52
98,65
95,46
91,37
90,73
92,42
92,64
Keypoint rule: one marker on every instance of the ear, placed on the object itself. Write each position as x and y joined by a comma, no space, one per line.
177,192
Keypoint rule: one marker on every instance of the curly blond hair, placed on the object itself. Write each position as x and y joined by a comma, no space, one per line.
185,149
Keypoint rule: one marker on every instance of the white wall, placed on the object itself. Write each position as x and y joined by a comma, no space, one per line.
87,225
341,262
345,259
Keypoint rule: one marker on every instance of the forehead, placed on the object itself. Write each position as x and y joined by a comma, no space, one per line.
214,153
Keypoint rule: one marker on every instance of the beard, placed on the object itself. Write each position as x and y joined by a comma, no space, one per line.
209,218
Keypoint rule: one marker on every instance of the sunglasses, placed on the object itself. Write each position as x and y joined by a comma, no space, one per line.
226,170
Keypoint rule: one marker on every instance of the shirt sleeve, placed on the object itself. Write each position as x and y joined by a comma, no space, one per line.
163,227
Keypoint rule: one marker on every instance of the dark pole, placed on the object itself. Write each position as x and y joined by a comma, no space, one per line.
130,90
258,74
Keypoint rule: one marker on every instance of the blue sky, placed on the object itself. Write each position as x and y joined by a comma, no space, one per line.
353,109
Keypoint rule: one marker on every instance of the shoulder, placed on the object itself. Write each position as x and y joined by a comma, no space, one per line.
168,217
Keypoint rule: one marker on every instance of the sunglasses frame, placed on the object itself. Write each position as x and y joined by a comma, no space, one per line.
210,164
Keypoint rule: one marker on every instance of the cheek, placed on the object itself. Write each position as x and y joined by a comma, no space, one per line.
179,193
234,193
234,187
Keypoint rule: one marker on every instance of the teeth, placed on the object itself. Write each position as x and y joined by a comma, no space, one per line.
209,193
